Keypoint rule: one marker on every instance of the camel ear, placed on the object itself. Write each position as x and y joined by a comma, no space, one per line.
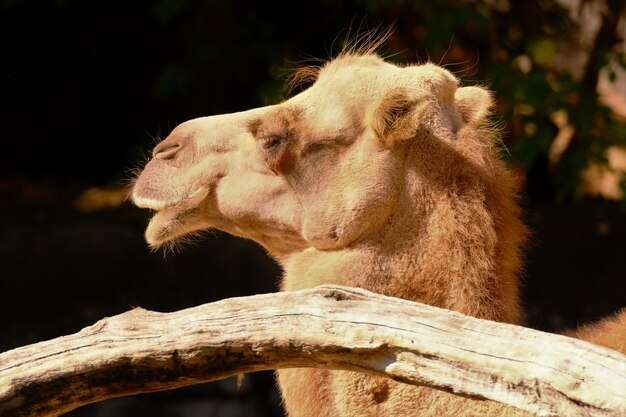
474,105
397,116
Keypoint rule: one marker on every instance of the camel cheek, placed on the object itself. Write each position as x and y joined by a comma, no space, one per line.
338,220
356,203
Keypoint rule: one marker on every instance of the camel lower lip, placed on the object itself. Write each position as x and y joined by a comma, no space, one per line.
172,218
157,230
171,223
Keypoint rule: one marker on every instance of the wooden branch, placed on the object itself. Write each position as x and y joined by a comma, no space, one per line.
327,327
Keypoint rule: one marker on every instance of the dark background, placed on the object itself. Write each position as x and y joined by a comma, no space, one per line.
87,88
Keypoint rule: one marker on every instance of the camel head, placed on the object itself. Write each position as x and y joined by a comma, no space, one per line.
322,169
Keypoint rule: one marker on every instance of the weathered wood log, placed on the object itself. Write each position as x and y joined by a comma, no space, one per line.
328,327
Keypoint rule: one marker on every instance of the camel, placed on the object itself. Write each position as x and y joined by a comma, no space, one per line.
377,176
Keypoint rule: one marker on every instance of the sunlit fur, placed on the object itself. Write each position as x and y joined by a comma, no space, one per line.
361,43
377,176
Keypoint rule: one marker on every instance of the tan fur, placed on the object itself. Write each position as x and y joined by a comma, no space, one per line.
377,176
609,332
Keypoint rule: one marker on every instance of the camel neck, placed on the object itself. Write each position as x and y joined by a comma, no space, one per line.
450,253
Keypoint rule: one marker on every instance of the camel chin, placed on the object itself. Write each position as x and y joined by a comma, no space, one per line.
162,228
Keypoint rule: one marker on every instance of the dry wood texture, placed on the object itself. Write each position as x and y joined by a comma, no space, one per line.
327,327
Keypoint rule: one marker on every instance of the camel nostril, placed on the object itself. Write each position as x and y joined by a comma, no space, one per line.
165,150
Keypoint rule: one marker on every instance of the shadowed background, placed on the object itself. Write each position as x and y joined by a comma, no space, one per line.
87,88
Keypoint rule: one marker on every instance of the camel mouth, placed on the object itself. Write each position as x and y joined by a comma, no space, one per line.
176,202
152,203
173,219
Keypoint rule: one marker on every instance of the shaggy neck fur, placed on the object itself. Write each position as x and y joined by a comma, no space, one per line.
453,241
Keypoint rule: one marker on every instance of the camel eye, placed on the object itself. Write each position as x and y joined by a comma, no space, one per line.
272,144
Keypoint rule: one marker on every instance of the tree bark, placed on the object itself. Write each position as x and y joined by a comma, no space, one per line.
606,38
327,327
